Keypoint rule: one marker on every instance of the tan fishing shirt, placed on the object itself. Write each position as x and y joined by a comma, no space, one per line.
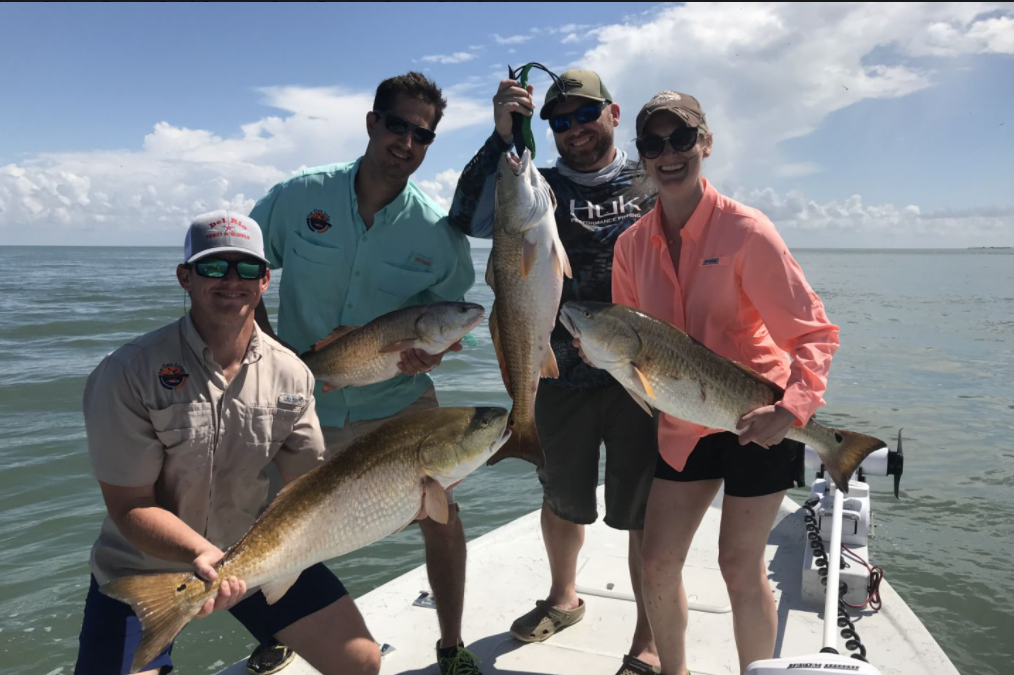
159,411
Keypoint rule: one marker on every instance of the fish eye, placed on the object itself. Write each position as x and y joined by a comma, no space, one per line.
838,437
485,423
587,315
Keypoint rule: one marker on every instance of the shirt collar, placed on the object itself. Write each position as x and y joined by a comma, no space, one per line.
396,206
254,350
695,227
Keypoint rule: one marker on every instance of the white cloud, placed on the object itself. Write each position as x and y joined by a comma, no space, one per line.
147,196
456,57
441,188
571,38
511,40
768,73
851,222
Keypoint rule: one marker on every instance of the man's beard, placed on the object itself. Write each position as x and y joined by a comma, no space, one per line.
582,159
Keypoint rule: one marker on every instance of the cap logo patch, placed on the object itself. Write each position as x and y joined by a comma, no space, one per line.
318,221
172,376
227,227
666,97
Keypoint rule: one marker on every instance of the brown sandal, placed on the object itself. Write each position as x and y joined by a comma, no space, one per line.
544,621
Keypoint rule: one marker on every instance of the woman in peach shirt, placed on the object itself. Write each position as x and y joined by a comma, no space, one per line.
719,271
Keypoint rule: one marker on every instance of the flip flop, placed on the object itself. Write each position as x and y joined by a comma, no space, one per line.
544,621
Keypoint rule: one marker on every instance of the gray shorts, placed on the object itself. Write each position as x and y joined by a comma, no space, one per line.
573,424
336,438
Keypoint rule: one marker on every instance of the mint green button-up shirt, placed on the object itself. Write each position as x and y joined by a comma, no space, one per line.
336,272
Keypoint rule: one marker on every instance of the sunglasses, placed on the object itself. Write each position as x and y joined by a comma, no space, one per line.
217,268
400,127
681,140
583,115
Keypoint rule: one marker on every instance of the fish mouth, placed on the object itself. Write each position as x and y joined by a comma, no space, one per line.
514,163
568,323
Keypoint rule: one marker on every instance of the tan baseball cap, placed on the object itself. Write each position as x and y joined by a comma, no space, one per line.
583,83
684,106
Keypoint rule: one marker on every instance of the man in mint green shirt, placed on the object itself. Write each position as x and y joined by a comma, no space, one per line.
357,241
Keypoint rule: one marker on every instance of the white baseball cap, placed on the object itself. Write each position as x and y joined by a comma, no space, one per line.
223,232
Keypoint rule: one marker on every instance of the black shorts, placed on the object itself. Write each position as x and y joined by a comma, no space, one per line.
573,424
111,632
748,470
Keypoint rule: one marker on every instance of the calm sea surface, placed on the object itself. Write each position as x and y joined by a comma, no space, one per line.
927,344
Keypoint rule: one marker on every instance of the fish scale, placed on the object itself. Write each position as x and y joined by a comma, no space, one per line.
664,368
526,270
371,488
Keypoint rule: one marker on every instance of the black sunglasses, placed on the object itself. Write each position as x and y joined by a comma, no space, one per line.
583,115
217,268
400,127
681,140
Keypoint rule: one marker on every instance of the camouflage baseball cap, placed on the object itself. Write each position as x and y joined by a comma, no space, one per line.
583,83
684,106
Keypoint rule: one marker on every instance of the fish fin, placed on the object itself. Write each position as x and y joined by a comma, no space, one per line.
644,382
842,461
326,387
523,444
490,277
494,333
329,338
529,254
562,261
436,501
274,589
549,366
399,346
640,401
161,606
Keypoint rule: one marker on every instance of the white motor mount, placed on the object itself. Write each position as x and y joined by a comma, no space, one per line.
857,528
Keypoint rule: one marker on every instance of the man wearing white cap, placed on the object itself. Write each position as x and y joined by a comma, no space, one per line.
182,423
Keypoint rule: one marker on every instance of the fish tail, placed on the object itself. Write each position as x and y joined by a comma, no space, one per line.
164,604
523,444
844,453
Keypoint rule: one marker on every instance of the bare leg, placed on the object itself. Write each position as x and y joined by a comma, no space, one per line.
563,540
746,524
334,640
643,644
675,511
445,566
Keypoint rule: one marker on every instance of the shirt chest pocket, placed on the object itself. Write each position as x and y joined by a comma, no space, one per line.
266,427
187,432
182,422
403,283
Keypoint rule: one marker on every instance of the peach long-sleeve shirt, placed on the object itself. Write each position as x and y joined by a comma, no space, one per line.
740,292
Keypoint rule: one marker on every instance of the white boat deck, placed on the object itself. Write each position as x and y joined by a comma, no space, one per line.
508,572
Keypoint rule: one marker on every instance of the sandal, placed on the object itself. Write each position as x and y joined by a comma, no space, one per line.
269,658
635,666
544,621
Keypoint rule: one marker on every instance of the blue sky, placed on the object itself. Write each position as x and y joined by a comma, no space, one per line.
849,125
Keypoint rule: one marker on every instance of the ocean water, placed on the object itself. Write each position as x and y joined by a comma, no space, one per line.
927,344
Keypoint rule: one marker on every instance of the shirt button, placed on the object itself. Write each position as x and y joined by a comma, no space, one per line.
358,273
364,237
349,306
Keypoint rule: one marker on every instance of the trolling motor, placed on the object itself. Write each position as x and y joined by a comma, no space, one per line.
835,523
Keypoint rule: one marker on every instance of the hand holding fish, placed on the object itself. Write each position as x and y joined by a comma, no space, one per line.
511,97
416,361
765,426
230,592
577,344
